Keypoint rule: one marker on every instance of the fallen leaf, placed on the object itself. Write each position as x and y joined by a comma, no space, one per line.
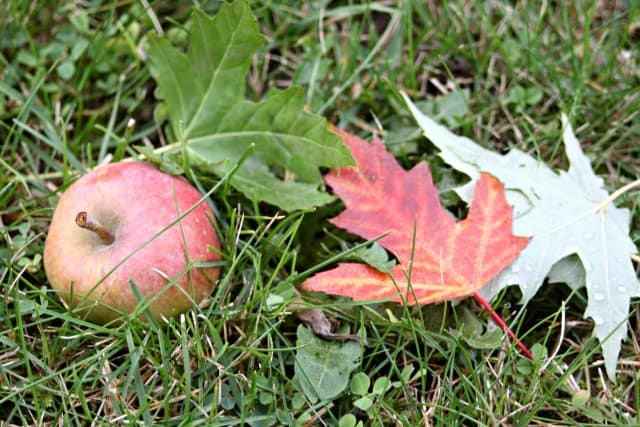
322,326
439,258
445,260
316,320
322,368
565,215
211,122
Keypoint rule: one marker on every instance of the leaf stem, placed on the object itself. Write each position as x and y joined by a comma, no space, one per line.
83,220
618,193
502,324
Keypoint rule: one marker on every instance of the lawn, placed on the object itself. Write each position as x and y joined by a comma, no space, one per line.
81,85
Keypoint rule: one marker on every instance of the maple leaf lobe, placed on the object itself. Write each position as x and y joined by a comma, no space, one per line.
380,196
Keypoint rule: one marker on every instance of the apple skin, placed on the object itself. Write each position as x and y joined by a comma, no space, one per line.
134,201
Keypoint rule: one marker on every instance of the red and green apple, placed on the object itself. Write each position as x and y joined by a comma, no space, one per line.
101,243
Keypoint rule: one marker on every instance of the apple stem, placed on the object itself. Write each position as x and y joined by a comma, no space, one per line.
83,220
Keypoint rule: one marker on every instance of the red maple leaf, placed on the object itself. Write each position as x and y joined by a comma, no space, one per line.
439,258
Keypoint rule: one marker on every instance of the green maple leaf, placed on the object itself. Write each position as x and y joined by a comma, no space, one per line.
204,91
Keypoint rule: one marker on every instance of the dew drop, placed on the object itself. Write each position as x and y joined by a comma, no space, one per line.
528,268
598,320
622,289
599,297
588,235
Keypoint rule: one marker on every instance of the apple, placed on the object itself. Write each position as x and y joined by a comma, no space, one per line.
95,248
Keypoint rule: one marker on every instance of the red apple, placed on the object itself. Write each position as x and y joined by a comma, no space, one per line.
92,252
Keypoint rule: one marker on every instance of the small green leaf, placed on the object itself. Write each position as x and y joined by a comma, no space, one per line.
360,384
66,69
381,386
273,302
227,403
322,368
265,398
376,257
26,58
163,161
524,367
471,325
487,341
539,352
52,51
26,307
448,108
406,373
363,403
149,154
303,419
298,401
80,20
533,95
347,420
512,51
32,264
515,96
78,49
521,97
580,399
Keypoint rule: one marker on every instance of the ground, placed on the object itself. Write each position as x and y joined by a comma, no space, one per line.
73,75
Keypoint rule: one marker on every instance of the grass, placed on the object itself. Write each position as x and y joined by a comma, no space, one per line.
71,79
